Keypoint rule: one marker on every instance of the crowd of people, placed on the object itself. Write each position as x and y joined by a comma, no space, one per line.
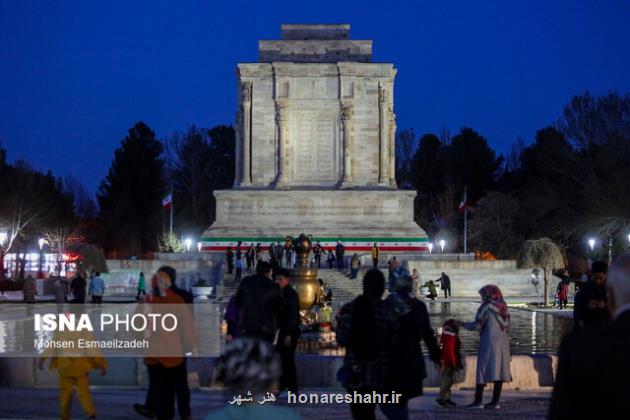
382,337
281,255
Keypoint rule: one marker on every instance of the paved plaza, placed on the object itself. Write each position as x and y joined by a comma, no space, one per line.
37,403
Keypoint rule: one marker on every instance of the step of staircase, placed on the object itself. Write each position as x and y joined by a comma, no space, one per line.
343,287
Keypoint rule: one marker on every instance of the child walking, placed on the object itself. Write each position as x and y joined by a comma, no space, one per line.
451,361
73,373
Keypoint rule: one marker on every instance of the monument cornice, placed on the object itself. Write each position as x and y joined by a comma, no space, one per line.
254,70
305,69
289,69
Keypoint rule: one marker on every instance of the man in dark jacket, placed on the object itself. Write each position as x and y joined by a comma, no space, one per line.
590,310
289,325
406,369
593,363
365,327
260,301
78,286
278,250
339,251
445,285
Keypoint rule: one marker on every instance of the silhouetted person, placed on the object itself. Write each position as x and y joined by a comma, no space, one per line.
339,251
318,250
593,368
406,364
260,301
78,286
590,309
445,284
365,327
289,331
229,258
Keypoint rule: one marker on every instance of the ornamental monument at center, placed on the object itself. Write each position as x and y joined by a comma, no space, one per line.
315,148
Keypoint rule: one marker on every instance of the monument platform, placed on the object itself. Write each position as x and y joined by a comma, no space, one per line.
357,218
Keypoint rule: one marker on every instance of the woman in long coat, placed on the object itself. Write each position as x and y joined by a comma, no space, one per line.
493,359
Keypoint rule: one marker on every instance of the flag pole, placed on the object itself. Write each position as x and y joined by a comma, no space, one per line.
466,220
171,216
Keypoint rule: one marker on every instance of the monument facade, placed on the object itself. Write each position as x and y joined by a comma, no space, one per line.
316,148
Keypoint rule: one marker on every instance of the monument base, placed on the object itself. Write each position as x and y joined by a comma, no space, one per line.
356,217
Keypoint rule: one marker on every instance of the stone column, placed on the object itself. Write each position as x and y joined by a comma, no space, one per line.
246,89
346,122
383,175
282,121
238,154
392,147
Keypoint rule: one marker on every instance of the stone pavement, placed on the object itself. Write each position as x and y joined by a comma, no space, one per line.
38,403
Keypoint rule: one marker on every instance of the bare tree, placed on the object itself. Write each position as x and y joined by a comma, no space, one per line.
493,224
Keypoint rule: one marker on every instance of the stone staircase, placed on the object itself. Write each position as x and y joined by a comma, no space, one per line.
344,289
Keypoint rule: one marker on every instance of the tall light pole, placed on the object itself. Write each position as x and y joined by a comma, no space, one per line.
40,272
3,240
629,239
188,243
442,245
591,244
430,245
199,245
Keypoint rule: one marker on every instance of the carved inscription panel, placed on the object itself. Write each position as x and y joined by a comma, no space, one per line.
313,137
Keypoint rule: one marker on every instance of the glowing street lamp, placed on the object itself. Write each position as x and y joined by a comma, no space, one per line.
3,237
442,244
199,244
591,244
629,239
430,245
40,271
188,243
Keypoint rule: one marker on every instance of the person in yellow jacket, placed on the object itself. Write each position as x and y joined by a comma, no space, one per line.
73,370
376,253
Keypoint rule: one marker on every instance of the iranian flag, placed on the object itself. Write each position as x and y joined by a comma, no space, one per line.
167,201
463,205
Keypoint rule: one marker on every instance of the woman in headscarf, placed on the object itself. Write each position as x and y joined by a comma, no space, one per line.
406,369
493,359
365,328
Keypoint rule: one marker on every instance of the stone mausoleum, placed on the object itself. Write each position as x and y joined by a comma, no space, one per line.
315,148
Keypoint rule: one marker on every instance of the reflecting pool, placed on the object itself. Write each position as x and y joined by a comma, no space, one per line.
530,332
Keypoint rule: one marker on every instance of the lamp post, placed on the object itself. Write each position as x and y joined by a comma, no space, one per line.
430,245
442,245
40,272
3,240
199,245
591,244
188,243
629,239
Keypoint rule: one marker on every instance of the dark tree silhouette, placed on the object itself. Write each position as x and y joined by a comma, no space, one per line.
201,161
130,196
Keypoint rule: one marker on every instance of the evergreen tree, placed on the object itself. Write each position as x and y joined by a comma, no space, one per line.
130,195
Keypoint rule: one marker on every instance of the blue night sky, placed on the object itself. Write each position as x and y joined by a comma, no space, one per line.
75,75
